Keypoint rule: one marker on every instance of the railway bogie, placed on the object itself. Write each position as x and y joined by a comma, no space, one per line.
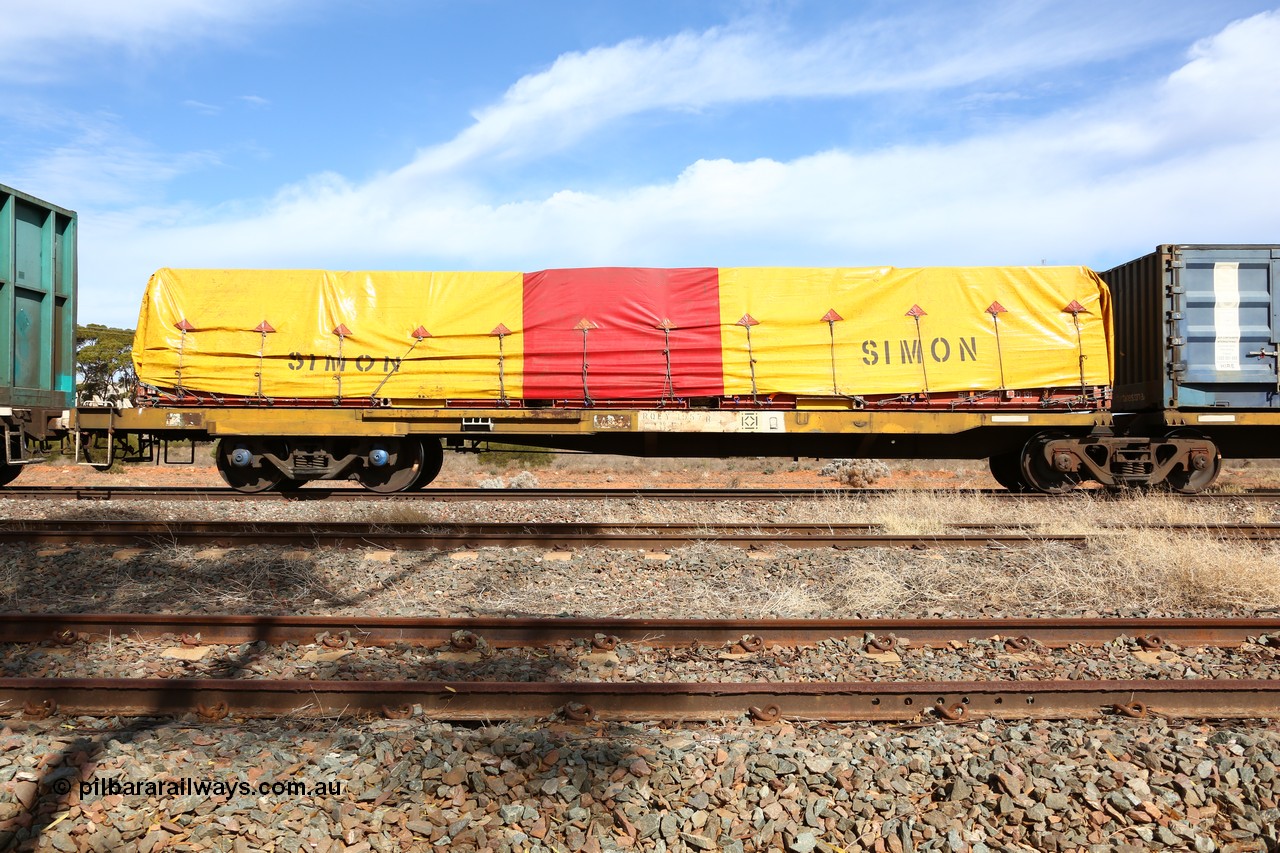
1184,461
378,463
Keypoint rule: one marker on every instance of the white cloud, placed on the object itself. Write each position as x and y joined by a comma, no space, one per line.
38,40
1186,158
201,107
103,165
58,153
583,91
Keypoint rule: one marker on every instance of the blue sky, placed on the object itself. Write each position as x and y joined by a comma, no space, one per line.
392,134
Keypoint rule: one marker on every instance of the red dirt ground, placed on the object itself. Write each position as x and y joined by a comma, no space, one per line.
614,473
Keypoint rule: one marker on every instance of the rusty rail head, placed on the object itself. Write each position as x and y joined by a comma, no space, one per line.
583,701
135,532
324,491
1017,634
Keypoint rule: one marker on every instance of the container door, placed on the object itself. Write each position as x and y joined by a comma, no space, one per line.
1228,328
28,347
31,260
1275,316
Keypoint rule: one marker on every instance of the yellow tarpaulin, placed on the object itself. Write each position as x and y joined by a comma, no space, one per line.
429,336
823,331
405,335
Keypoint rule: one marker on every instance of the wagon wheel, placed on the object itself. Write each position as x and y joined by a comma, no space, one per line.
432,462
259,474
1038,474
8,473
1006,468
1189,482
403,466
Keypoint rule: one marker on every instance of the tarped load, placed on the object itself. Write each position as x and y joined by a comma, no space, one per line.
896,331
403,335
623,319
623,334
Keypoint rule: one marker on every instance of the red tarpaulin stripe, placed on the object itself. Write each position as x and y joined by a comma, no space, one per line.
627,308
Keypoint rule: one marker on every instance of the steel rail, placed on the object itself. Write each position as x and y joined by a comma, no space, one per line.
318,492
355,493
445,535
319,537
585,701
508,632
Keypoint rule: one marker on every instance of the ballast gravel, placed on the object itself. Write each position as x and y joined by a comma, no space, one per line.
1098,785
702,580
413,785
899,510
831,660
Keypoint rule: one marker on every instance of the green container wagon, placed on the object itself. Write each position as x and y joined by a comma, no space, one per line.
37,323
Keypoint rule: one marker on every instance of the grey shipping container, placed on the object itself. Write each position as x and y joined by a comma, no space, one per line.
1196,327
37,303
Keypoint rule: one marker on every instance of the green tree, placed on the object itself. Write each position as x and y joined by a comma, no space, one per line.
104,363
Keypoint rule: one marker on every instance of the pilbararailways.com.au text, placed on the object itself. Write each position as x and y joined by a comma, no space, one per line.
204,787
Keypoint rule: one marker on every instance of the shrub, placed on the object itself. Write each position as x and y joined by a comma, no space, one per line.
858,473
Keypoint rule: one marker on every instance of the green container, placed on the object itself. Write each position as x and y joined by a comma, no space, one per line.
37,302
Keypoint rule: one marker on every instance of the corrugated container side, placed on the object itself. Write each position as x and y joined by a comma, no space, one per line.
1137,294
1224,302
37,302
1197,327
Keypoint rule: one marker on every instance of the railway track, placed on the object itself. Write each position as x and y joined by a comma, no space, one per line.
585,701
320,493
765,702
556,535
510,632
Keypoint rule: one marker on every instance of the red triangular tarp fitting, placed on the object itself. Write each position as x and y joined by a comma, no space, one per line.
263,327
1075,308
585,325
664,323
500,330
996,308
831,317
184,326
916,311
420,333
748,320
342,331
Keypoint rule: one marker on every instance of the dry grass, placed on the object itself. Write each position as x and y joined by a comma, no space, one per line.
896,511
1126,566
1130,570
1193,571
698,581
787,601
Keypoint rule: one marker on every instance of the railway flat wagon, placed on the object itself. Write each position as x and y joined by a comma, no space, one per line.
310,374
313,374
37,324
